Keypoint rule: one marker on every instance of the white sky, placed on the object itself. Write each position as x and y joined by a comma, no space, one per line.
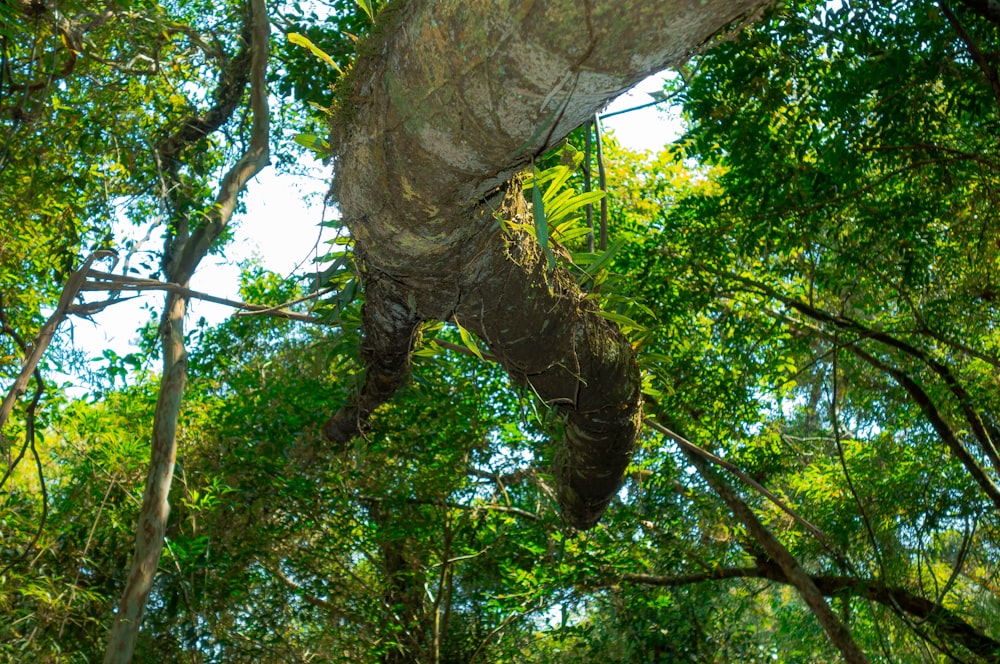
281,228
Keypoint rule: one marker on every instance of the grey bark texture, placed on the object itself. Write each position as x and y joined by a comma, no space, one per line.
188,247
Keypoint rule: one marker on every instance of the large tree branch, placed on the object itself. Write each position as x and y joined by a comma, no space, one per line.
437,116
946,623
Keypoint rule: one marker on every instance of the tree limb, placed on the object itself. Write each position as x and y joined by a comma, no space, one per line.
427,142
835,630
946,623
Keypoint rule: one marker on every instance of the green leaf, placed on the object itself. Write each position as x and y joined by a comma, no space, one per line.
623,321
600,260
560,176
366,5
303,41
469,340
572,203
541,225
313,142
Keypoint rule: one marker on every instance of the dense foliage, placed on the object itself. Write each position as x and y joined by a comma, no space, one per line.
809,276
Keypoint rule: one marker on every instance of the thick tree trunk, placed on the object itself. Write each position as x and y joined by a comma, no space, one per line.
445,107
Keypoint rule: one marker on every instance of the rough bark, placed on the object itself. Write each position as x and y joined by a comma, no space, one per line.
185,250
449,101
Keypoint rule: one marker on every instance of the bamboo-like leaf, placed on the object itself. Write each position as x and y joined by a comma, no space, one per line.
366,5
573,203
605,257
623,321
313,142
541,225
569,232
562,174
305,42
469,340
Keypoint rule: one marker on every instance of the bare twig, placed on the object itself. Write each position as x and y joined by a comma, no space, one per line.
107,281
749,481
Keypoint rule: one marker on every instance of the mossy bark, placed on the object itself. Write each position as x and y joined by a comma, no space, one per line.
444,107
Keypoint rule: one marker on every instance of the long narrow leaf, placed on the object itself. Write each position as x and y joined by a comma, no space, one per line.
622,321
541,225
366,5
573,203
469,341
305,42
562,174
605,257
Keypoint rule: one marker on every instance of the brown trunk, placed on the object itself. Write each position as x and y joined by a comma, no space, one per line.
453,99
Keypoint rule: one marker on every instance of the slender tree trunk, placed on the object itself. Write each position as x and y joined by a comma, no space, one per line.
185,252
155,507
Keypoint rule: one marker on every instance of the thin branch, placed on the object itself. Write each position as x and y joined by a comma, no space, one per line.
301,592
499,628
835,424
462,349
925,329
970,156
930,411
721,574
82,564
977,55
490,507
114,282
965,400
602,182
749,481
587,187
29,443
45,335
